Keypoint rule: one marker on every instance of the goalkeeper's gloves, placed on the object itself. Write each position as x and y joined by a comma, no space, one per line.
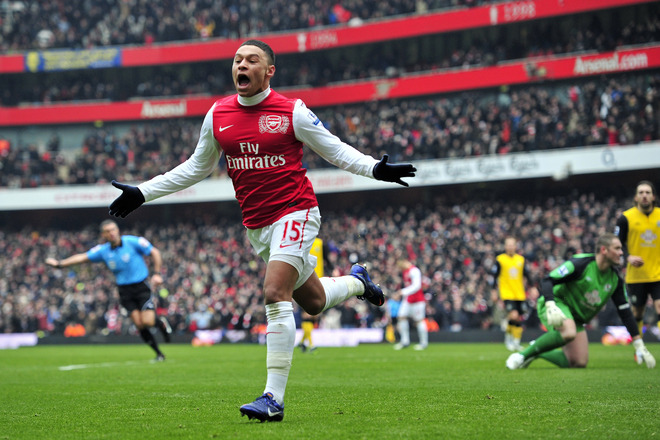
393,172
553,314
642,354
130,199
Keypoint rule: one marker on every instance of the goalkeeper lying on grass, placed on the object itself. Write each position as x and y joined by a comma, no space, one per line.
572,295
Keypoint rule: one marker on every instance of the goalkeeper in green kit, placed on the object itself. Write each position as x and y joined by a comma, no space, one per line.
571,295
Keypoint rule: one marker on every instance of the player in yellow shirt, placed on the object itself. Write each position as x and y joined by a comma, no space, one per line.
307,321
638,228
307,324
510,271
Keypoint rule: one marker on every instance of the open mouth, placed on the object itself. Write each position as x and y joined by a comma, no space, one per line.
242,80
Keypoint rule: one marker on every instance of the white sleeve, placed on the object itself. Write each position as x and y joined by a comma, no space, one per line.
198,166
310,130
415,282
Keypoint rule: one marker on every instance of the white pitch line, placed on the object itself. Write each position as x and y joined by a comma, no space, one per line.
101,365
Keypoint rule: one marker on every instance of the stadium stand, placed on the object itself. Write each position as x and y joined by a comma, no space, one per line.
209,262
603,31
30,24
612,110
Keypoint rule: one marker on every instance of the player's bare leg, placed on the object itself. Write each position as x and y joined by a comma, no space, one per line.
311,295
577,351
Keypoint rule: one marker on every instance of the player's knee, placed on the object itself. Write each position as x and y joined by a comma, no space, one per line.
273,295
568,335
577,363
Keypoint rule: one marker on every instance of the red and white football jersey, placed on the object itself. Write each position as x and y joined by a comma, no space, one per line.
412,280
262,138
264,158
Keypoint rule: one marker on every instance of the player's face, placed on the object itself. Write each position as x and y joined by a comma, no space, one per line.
110,233
250,71
644,197
614,252
510,246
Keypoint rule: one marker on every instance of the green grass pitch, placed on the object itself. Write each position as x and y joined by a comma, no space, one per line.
450,391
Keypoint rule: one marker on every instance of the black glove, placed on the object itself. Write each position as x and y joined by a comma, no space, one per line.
393,172
130,199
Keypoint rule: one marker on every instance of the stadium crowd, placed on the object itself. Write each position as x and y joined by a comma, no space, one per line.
212,278
32,24
616,110
362,62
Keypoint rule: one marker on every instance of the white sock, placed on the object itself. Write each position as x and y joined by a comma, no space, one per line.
404,331
280,340
423,333
339,289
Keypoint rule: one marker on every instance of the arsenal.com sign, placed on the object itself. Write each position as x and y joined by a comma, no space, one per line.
611,63
163,110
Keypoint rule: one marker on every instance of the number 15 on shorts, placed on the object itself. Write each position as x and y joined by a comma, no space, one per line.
293,234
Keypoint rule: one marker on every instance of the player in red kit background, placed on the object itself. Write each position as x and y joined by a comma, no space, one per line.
413,306
262,134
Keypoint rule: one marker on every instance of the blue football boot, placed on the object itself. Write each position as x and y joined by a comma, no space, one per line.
264,409
372,292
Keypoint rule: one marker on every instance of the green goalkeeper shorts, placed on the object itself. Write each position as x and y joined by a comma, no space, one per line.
540,307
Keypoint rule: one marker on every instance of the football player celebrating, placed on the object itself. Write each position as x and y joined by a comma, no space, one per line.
572,295
261,133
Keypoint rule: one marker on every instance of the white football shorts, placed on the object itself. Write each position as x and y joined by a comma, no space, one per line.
416,311
289,240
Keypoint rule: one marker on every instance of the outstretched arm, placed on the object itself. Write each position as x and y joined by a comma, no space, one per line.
69,261
310,130
642,354
198,166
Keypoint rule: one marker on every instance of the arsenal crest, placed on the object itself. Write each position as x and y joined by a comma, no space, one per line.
273,124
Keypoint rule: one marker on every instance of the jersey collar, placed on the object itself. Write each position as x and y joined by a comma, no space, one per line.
254,100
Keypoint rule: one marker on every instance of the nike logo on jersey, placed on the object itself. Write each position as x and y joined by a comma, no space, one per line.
221,129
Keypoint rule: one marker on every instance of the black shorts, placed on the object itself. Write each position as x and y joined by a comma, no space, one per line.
520,306
639,292
136,297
